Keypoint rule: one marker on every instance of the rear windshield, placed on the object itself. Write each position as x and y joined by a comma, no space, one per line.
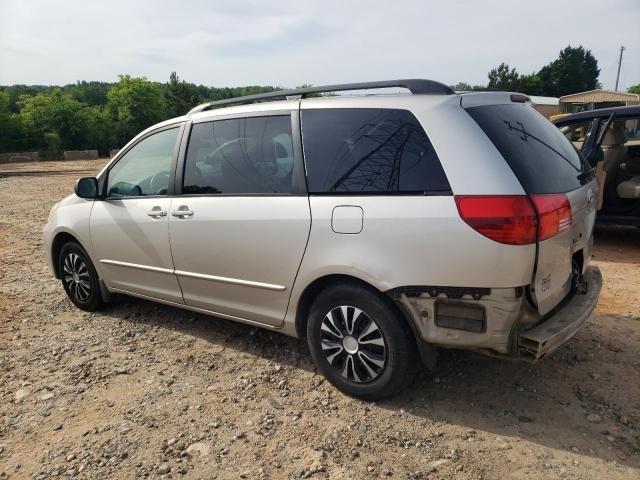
538,153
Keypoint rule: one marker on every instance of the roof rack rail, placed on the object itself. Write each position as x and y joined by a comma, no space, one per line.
415,86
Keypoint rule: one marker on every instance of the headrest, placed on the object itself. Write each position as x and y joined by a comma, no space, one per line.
614,136
232,156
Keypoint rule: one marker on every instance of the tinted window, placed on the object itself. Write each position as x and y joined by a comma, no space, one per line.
631,128
542,158
628,130
242,155
576,133
144,169
369,151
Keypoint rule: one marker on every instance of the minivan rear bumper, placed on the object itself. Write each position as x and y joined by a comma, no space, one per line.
567,320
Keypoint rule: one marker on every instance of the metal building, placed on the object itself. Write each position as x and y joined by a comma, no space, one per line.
595,99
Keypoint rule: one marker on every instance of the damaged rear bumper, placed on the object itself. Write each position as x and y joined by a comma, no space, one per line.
567,320
511,327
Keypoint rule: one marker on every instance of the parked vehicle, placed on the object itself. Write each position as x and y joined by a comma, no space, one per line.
377,227
617,131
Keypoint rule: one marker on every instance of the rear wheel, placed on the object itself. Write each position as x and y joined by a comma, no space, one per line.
360,342
79,277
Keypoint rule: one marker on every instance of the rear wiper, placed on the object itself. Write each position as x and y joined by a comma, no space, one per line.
528,135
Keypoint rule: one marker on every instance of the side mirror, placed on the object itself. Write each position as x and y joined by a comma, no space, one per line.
87,187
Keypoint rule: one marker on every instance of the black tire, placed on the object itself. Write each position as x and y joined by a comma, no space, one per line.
361,376
79,277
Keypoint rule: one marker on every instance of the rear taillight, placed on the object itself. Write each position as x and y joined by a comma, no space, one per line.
516,219
508,219
554,214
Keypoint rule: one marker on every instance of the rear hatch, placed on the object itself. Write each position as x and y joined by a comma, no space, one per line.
560,186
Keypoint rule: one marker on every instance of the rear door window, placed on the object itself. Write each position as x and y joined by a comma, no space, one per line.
540,155
369,151
240,156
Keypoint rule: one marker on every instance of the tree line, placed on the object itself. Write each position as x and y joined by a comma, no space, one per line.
102,116
97,115
575,70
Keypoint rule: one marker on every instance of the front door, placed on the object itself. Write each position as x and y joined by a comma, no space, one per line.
130,228
239,229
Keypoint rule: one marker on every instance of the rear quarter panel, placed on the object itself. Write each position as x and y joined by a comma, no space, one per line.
408,240
414,239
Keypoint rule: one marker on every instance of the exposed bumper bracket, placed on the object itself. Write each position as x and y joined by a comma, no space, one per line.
546,337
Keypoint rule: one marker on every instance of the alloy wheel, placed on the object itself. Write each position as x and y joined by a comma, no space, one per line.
353,344
76,277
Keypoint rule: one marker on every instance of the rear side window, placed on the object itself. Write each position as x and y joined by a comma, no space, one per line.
240,156
369,151
542,158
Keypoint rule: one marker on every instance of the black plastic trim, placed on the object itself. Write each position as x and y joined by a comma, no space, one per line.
431,193
433,291
460,323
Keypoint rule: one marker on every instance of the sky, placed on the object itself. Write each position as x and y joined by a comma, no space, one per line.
288,43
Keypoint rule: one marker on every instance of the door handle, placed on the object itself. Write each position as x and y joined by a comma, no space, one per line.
157,212
182,211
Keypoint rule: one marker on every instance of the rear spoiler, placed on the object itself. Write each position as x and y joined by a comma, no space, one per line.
477,99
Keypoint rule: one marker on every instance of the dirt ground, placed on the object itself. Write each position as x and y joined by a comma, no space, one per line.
144,390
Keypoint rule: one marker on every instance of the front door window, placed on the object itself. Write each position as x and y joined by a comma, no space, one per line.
144,169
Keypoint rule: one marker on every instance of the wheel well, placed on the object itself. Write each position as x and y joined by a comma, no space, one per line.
314,288
59,240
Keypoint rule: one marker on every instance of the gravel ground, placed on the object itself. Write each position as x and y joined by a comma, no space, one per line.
144,390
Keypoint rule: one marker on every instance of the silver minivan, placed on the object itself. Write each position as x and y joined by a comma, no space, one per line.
377,227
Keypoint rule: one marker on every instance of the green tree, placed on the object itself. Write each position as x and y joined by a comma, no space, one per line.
10,127
53,112
575,70
461,87
180,96
503,77
466,87
52,148
16,91
531,85
635,89
100,131
135,104
91,93
97,115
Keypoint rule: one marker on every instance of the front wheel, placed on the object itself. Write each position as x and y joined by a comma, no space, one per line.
360,343
79,277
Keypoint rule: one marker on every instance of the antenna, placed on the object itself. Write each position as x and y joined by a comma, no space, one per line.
622,49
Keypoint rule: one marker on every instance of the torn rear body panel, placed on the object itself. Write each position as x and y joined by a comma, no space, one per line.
499,321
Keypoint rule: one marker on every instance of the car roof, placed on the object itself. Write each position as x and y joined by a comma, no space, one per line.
603,112
398,101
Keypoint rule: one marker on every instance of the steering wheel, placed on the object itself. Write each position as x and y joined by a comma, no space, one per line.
159,182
